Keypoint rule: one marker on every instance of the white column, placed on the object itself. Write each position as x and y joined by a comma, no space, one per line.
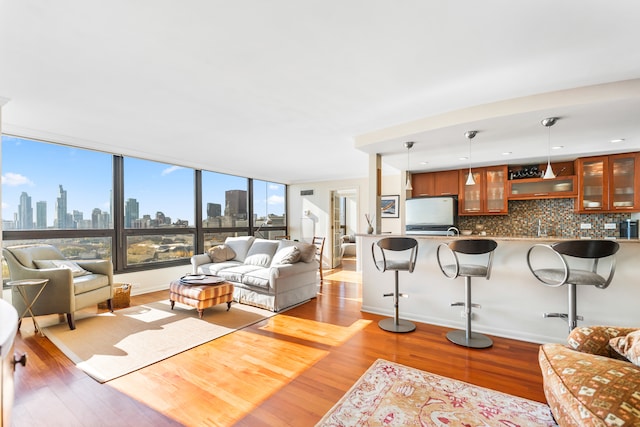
375,190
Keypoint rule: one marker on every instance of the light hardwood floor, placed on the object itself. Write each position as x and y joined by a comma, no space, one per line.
284,371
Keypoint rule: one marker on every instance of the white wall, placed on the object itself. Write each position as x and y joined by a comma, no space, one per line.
303,226
310,216
152,280
391,185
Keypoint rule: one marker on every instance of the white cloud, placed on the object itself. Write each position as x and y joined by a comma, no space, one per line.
171,169
276,200
14,179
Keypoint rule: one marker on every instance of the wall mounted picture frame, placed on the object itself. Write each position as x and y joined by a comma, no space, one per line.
390,206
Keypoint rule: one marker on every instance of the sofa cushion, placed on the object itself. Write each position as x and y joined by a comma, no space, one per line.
289,255
584,389
348,238
257,278
261,252
76,270
221,253
236,273
214,268
628,346
89,282
240,245
307,250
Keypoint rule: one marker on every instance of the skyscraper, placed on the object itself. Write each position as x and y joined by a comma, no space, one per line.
214,210
25,212
235,204
95,218
61,210
131,212
41,215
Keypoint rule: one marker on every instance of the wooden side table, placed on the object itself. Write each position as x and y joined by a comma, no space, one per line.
21,286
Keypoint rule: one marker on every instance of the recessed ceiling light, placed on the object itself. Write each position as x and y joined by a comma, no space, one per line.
506,153
463,158
424,163
557,147
617,140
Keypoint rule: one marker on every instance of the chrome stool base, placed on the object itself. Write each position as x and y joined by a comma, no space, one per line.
475,341
390,325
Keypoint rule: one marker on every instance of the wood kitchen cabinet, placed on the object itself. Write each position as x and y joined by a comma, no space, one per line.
489,194
538,188
608,183
443,183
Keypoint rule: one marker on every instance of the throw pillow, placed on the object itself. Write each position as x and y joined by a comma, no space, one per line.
221,253
76,270
307,252
628,346
289,255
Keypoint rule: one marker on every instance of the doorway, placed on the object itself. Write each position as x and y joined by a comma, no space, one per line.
344,221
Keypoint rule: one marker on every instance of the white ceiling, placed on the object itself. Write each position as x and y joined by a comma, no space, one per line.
297,91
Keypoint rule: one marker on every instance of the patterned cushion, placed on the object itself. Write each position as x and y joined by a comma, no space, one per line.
588,390
595,339
628,346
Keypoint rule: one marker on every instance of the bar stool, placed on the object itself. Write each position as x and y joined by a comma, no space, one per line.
395,244
579,261
470,249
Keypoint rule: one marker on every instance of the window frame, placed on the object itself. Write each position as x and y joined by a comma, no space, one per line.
119,234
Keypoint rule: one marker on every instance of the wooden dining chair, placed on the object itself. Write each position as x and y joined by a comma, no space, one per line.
319,244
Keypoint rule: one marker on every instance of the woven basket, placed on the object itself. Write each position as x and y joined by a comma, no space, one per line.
121,297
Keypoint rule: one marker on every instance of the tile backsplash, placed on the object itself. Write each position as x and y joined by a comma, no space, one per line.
554,217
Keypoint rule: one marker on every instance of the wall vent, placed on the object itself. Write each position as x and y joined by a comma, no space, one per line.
306,192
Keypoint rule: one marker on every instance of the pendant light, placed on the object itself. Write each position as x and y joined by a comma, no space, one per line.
548,122
408,187
469,135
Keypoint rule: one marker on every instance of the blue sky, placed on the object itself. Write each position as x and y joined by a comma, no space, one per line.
39,168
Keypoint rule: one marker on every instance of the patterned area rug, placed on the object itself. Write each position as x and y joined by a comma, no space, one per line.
390,394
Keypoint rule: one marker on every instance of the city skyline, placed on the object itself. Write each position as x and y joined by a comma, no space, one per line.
148,182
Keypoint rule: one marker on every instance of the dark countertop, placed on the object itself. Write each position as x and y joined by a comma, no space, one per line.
548,239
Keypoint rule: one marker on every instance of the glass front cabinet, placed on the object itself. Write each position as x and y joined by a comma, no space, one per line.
488,196
608,183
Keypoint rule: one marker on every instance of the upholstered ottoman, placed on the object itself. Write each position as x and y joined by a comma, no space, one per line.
200,296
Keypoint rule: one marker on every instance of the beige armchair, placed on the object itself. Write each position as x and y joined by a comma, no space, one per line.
67,290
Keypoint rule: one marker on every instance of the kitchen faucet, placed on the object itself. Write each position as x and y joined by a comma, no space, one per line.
454,231
542,232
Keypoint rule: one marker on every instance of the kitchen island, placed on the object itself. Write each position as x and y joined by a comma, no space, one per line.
513,301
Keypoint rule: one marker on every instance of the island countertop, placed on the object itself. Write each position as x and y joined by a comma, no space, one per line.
512,301
543,239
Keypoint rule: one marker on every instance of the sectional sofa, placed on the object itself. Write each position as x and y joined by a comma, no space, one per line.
271,274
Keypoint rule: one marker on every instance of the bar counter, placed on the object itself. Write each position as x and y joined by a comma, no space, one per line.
513,301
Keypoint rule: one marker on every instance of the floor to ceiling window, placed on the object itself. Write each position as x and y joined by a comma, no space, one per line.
58,195
269,213
158,211
90,203
225,207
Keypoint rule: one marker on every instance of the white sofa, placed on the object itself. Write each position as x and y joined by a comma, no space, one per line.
262,271
348,246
